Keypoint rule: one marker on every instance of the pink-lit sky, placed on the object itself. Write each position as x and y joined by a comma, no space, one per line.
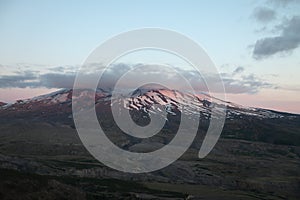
255,48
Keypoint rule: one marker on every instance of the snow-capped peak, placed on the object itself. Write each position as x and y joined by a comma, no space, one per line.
143,99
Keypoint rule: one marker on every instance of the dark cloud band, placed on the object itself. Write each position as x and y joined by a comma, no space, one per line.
34,79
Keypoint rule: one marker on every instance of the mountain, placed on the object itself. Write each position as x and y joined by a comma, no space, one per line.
140,100
241,122
257,156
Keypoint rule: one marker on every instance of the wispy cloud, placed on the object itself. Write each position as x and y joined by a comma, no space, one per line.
235,82
282,3
238,70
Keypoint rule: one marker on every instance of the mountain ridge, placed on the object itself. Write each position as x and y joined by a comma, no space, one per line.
65,96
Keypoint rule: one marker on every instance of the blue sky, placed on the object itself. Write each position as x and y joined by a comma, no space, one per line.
63,32
43,34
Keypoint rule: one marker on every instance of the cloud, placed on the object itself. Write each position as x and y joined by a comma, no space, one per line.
57,69
287,41
63,69
238,70
20,80
295,88
56,80
235,82
264,14
286,38
282,3
249,84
